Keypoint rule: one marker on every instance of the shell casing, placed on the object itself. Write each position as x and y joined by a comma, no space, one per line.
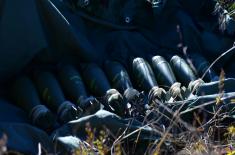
182,70
49,89
163,72
95,80
72,83
52,94
143,74
117,76
25,95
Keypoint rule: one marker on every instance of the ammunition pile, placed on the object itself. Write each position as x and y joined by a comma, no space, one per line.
68,92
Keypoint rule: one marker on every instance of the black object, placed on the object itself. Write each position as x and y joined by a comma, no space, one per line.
98,84
201,65
25,96
117,76
115,102
120,80
166,76
182,70
95,79
133,95
53,96
71,82
90,105
146,80
143,74
163,72
74,89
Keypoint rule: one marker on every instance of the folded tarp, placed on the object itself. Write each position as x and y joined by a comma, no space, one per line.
54,30
21,35
21,134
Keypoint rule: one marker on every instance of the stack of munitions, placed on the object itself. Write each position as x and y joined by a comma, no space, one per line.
71,95
75,90
165,75
24,94
146,80
51,93
182,70
120,80
99,85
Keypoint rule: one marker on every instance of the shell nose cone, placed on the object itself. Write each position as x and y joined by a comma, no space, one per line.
175,58
158,58
138,60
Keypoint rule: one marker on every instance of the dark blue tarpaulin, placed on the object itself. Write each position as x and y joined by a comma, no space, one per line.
39,32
